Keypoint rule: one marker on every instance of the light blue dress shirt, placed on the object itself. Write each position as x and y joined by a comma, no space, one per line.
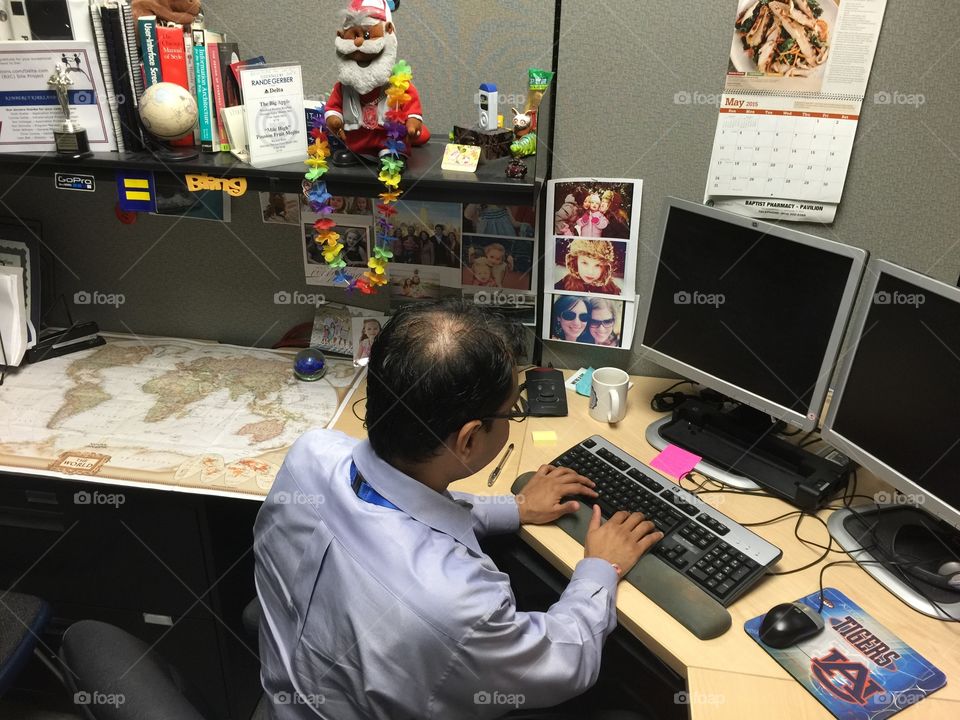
371,611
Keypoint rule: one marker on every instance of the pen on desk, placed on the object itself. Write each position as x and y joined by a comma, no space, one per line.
503,461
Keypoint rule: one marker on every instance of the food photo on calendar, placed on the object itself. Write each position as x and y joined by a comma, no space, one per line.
796,78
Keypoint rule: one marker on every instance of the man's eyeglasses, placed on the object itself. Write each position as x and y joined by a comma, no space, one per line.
518,413
569,315
607,323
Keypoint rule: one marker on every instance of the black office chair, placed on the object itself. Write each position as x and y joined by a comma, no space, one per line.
106,664
22,619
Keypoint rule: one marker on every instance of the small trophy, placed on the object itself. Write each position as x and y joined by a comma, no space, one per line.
71,139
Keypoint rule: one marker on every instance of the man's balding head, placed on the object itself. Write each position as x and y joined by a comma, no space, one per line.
434,368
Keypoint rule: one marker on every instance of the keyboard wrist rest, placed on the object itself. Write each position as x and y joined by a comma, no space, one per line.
676,595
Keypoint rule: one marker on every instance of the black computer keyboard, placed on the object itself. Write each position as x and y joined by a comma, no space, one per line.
722,557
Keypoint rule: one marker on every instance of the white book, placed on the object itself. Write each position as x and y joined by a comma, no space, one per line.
233,123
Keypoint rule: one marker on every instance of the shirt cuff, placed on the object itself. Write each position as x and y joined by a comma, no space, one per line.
495,514
599,571
500,514
332,113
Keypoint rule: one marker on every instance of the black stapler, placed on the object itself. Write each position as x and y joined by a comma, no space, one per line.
54,343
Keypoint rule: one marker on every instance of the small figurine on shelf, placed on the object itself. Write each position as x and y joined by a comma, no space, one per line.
358,109
524,144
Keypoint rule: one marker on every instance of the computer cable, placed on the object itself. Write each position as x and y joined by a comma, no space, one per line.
905,576
861,564
827,549
849,495
353,409
667,400
721,488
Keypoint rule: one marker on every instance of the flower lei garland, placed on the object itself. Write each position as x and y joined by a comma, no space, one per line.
391,165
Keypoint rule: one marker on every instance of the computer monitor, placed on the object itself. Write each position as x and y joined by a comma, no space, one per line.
752,310
895,411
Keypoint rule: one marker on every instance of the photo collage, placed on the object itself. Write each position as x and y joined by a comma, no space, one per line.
484,252
591,261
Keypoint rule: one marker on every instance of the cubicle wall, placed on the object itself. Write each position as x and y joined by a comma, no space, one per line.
624,71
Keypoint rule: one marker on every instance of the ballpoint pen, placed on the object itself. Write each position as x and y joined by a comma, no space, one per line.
503,461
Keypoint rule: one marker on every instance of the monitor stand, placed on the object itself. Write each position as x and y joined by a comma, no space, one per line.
704,467
740,447
869,536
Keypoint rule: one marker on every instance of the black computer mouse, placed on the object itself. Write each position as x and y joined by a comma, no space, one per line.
787,624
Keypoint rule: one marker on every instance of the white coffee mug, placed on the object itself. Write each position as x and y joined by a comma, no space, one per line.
608,394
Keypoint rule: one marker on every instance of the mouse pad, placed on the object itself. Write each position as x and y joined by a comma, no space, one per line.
855,667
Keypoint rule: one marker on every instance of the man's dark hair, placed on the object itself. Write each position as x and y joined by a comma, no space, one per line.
433,368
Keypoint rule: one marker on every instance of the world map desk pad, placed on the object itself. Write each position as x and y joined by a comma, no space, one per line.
166,411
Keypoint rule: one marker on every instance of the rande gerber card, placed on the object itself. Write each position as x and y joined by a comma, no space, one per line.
855,667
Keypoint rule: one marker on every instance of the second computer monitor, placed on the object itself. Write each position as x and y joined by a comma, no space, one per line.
895,408
753,310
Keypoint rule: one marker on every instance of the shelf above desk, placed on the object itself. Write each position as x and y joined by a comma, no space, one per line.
423,179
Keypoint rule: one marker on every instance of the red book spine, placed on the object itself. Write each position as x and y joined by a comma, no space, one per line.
173,64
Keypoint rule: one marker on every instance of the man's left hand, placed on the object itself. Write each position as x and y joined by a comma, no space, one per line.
541,499
414,126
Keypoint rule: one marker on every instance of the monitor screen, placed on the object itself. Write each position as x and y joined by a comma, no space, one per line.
751,309
897,407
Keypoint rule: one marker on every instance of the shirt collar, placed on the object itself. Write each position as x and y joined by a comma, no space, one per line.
438,511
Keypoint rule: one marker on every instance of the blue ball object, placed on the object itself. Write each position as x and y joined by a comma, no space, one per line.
309,365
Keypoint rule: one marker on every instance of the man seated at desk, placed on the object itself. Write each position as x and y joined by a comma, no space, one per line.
377,599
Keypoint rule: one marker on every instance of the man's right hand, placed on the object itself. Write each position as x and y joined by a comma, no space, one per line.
335,125
623,539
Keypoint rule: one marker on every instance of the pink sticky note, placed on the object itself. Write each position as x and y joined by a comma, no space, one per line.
675,461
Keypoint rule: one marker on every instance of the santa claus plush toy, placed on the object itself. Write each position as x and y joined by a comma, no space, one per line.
356,110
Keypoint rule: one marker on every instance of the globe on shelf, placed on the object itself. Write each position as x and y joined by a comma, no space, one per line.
169,112
309,364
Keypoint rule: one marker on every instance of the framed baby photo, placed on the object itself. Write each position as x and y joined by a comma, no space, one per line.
497,262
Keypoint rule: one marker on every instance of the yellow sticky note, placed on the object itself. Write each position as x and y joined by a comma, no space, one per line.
544,437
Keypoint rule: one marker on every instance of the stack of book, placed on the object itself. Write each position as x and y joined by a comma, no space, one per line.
135,55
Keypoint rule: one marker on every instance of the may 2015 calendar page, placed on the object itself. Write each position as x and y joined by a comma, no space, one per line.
795,84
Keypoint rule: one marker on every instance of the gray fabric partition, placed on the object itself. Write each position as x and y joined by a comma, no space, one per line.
621,67
622,73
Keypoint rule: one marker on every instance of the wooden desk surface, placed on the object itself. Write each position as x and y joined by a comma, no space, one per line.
730,676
